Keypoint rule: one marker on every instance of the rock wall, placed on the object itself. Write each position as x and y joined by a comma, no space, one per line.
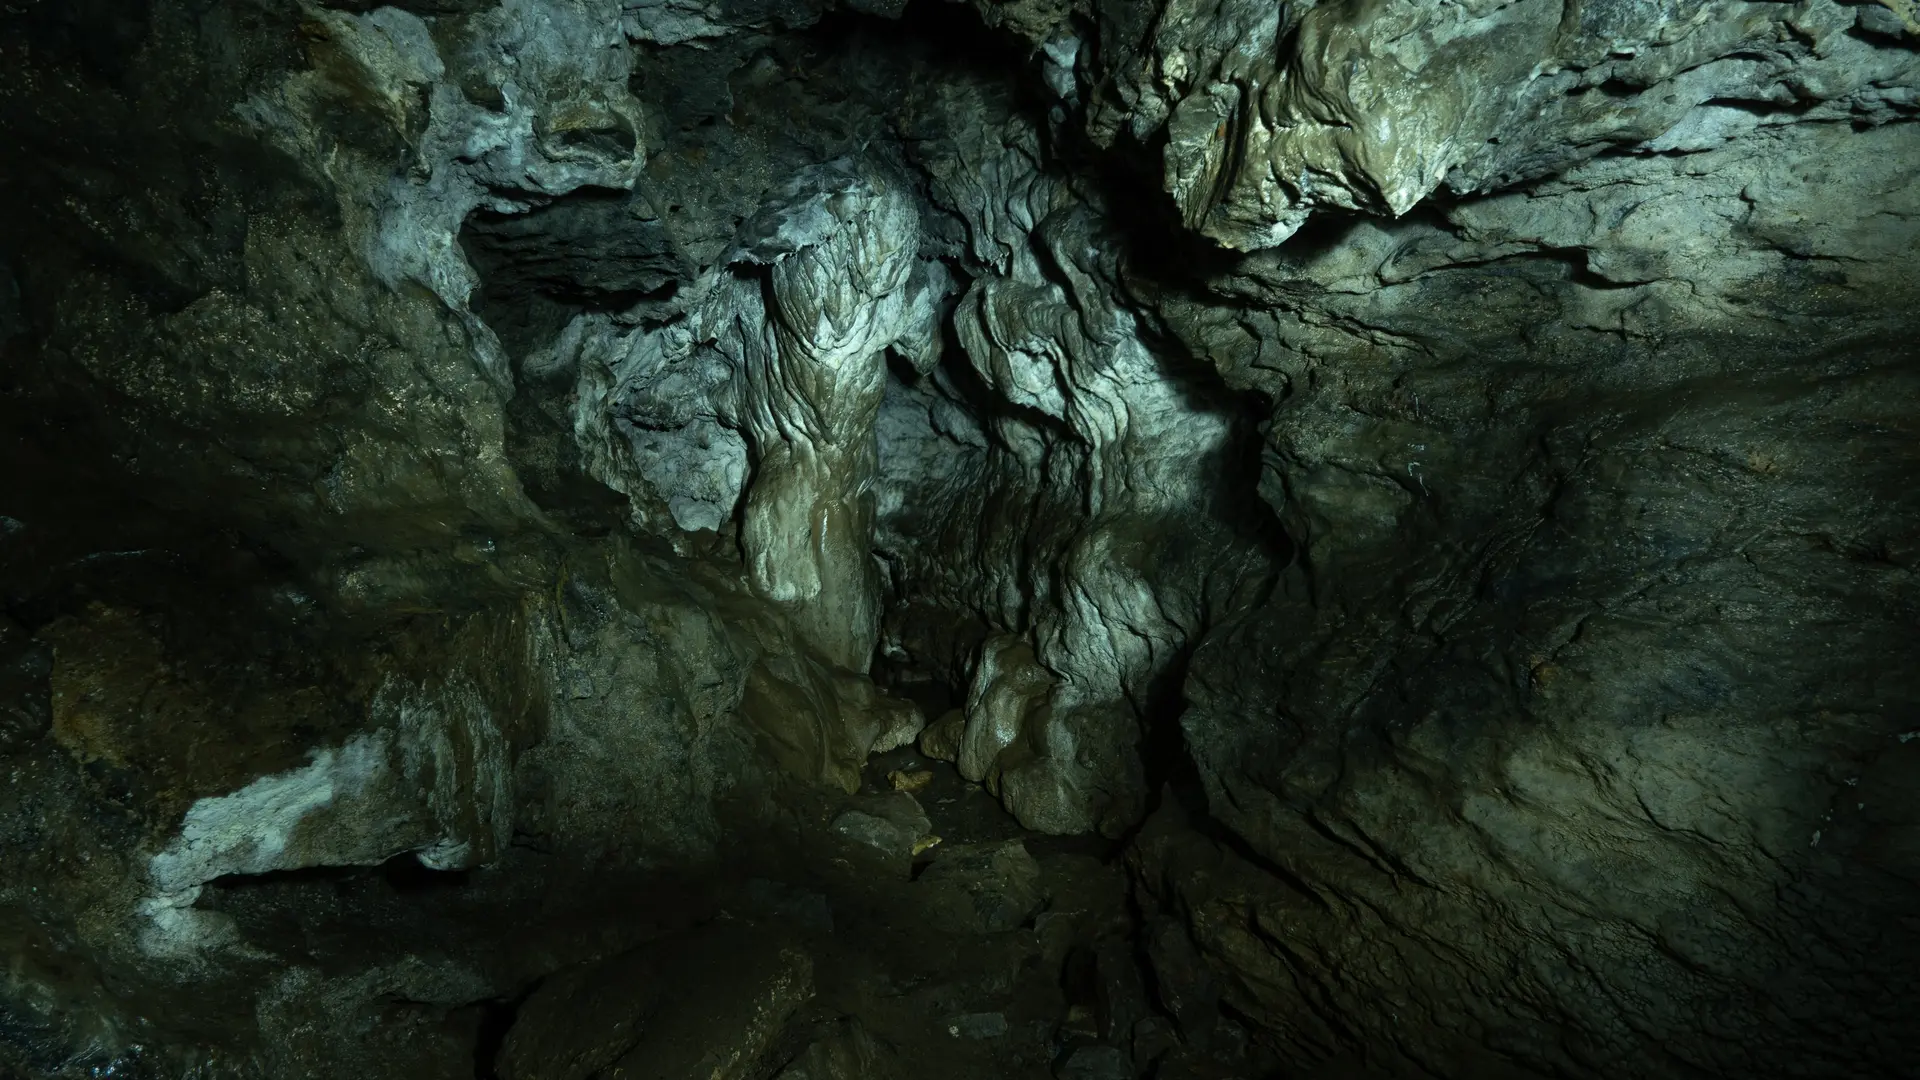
1569,720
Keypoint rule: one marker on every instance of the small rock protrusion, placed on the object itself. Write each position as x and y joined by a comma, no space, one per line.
983,888
710,1004
891,827
910,781
1153,1038
941,740
1095,1063
986,1025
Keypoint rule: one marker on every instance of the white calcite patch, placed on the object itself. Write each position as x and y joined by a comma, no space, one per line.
271,824
434,779
252,830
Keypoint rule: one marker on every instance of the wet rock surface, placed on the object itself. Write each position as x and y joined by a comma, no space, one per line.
574,538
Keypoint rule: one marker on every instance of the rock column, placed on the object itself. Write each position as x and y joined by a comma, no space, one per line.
838,257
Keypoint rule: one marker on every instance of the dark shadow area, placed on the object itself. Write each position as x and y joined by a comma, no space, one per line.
496,1019
303,876
587,251
404,873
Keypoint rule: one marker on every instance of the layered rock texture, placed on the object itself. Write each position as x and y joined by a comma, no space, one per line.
593,538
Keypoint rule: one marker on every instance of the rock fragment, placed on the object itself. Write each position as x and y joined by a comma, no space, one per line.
709,1004
982,888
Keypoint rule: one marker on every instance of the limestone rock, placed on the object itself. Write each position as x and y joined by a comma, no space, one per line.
709,1005
332,1024
1576,748
821,721
941,740
1095,1063
982,888
890,827
977,1026
1056,465
640,687
910,781
786,346
1009,687
847,1052
1272,115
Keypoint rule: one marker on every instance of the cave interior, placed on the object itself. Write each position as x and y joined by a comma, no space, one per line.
959,539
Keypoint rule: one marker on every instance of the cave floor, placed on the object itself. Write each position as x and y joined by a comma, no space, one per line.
994,952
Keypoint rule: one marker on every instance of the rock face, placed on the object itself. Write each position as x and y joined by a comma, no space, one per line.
1431,489
985,889
1270,114
662,1011
786,344
1594,700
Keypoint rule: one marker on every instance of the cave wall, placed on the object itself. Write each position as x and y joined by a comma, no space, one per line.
1605,629
1436,481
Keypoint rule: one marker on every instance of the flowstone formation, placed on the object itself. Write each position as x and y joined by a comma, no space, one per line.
591,538
785,345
